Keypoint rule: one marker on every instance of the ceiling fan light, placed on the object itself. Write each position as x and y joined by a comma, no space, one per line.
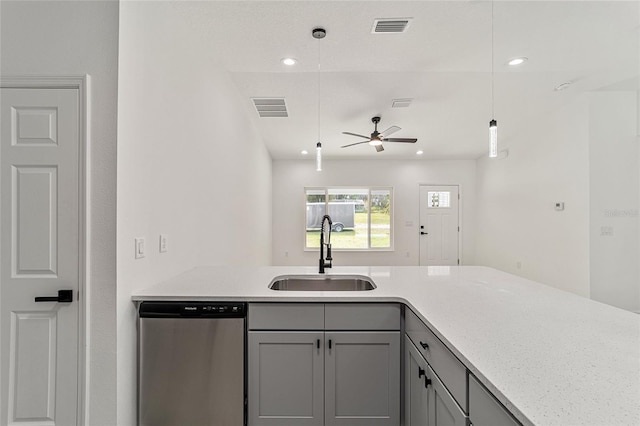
375,141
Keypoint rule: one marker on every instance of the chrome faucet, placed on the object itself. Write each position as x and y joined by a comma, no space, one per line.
325,229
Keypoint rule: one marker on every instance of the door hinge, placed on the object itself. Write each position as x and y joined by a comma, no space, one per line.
458,196
458,229
458,261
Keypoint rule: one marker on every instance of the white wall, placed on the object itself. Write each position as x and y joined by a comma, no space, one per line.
518,229
190,164
291,177
615,203
76,38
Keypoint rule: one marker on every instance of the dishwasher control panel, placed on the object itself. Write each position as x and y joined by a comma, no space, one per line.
193,309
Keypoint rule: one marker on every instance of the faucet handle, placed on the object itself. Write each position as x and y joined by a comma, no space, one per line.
329,258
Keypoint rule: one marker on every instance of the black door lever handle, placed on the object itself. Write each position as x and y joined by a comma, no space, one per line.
64,296
424,233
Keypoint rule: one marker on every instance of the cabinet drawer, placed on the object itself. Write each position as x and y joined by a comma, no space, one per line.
362,316
448,368
485,409
286,316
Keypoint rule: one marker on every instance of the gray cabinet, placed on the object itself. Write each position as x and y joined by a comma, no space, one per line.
427,400
416,390
362,378
485,409
286,375
345,371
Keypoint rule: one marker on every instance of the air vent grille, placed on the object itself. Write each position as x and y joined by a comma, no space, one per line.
270,107
401,103
390,26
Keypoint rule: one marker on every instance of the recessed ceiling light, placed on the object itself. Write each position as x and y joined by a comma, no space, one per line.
289,61
562,86
517,61
304,152
419,152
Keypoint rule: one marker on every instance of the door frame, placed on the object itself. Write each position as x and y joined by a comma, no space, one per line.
80,83
460,200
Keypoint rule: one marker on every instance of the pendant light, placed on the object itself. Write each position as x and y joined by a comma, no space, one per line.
318,34
493,124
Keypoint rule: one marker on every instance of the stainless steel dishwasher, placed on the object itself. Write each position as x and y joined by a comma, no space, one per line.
191,364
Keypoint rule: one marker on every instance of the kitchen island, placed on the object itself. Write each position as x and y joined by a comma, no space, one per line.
549,356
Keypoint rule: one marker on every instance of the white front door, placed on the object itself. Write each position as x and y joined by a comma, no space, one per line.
39,255
439,226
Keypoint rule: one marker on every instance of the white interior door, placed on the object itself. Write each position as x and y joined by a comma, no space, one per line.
439,225
39,255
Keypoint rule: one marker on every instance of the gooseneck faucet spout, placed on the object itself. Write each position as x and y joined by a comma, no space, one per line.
325,230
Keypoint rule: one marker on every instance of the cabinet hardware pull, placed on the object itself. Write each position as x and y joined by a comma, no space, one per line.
424,345
427,381
329,343
318,344
420,372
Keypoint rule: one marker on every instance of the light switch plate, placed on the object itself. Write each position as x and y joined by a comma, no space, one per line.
164,243
139,248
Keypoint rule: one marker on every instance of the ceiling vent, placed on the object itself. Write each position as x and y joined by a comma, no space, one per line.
270,107
401,103
390,26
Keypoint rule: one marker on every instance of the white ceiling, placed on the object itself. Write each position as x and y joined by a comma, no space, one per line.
443,62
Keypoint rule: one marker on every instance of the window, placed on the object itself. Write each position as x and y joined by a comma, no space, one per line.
439,200
361,217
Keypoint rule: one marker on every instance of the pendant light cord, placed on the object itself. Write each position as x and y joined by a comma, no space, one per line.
318,89
492,61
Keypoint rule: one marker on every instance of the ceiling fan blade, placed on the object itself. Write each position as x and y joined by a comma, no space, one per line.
352,144
355,134
379,148
389,131
405,140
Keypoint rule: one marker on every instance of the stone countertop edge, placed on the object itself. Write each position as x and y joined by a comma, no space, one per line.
536,313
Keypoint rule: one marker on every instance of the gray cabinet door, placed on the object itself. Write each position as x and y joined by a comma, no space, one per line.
362,378
416,393
285,378
443,409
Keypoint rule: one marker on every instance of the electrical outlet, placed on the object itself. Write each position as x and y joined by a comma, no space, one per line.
139,253
164,243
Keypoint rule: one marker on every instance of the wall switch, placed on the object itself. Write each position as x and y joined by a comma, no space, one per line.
164,243
559,206
139,248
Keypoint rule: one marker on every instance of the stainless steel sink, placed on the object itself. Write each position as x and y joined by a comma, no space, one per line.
322,283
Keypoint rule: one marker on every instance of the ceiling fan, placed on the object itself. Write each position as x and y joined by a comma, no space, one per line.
377,138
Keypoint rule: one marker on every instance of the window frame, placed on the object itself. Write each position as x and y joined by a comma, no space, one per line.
369,189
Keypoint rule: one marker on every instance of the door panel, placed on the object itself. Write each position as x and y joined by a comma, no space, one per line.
39,255
444,409
32,364
362,378
35,221
416,393
285,378
439,225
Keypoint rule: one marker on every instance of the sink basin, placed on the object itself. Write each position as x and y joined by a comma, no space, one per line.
322,283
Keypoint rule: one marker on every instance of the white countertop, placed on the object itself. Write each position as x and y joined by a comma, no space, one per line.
551,357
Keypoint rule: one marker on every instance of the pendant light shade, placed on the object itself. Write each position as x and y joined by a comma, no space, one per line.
319,157
493,139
